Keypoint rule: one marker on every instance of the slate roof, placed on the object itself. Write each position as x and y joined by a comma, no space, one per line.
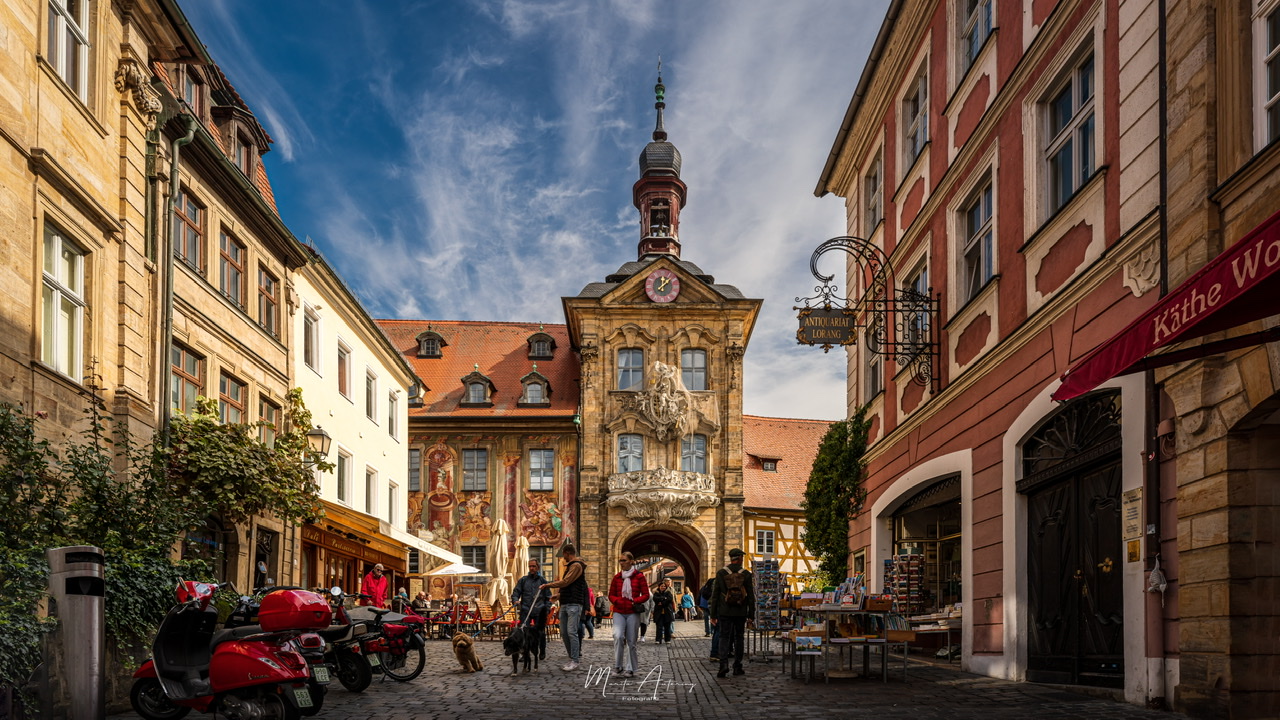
635,267
502,353
794,444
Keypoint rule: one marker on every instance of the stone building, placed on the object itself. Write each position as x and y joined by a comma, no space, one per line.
778,458
1001,162
661,346
493,444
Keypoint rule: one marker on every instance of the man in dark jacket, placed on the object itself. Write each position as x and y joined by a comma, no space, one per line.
733,600
528,593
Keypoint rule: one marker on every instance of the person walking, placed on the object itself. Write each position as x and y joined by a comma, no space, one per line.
645,614
704,602
732,600
627,590
686,605
664,613
375,585
573,600
533,601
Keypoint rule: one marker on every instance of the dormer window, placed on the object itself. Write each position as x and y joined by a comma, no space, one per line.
769,465
541,346
430,344
193,91
537,389
477,390
243,154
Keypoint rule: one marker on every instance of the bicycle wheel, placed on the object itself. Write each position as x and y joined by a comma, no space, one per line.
403,668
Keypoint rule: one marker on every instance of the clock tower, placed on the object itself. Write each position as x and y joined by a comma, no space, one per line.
661,346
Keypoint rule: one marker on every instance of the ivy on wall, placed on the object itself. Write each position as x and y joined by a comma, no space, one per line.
835,495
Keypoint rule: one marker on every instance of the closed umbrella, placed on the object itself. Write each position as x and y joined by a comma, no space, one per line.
521,564
500,585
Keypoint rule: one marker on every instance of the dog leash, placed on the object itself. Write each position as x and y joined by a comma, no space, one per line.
477,633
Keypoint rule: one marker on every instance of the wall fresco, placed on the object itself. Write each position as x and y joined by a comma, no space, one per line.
542,521
441,500
474,524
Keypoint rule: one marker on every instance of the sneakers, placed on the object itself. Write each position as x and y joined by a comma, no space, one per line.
641,638
631,673
617,672
570,667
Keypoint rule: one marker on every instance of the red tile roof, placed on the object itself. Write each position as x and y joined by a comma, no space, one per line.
794,444
502,353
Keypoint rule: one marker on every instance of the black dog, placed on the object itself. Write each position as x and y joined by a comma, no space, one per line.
522,645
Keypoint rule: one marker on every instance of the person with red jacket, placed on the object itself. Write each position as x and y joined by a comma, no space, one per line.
628,589
375,586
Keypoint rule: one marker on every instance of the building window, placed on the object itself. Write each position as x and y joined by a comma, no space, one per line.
371,396
269,302
231,399
193,91
542,349
1069,152
231,269
546,561
542,470
873,196
475,470
693,369
188,230
873,368
476,392
764,542
392,491
62,305
915,115
769,465
534,393
429,346
186,378
393,412
630,369
974,31
370,485
693,453
917,323
269,415
415,470
344,477
344,371
473,555
1267,84
311,339
630,453
415,562
977,259
68,44
244,155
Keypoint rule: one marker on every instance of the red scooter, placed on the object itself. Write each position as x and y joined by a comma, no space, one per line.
245,673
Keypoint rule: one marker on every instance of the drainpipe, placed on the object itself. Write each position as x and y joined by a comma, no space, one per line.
166,405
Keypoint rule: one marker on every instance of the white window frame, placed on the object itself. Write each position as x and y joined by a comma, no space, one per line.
1265,102
344,374
311,354
630,452
477,469
693,453
975,28
1081,125
393,415
58,350
415,470
766,542
542,478
976,261
915,118
393,493
469,553
873,195
342,476
631,370
693,371
371,395
60,25
528,396
917,326
370,491
477,393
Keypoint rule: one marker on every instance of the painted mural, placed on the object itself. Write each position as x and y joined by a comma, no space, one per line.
542,522
441,500
474,523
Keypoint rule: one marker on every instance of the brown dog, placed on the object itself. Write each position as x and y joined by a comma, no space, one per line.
464,649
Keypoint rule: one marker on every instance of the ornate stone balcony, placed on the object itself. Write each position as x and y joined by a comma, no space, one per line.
662,495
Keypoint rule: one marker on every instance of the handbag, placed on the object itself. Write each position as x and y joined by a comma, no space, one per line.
640,607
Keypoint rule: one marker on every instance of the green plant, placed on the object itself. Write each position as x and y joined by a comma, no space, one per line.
835,495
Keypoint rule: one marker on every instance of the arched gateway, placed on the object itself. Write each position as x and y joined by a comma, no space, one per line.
661,347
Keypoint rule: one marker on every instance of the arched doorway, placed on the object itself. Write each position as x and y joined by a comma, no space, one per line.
670,543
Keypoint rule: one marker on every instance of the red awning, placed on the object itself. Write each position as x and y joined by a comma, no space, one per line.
1239,286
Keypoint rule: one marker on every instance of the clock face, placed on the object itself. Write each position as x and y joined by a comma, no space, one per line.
662,286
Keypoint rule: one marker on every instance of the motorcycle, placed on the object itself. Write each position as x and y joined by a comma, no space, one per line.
251,672
310,645
344,639
397,647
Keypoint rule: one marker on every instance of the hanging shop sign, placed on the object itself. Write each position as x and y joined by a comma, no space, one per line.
827,327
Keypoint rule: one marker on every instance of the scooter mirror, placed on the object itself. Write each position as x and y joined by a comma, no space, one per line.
245,599
335,590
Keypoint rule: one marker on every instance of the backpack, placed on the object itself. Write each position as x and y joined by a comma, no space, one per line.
602,605
735,589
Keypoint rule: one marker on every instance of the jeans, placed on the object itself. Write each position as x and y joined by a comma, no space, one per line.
588,627
540,617
666,628
732,630
715,642
706,622
570,624
625,628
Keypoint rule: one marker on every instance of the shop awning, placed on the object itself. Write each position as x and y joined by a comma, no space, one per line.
1239,286
417,543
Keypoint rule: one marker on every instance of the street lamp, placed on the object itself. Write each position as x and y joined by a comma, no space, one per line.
319,441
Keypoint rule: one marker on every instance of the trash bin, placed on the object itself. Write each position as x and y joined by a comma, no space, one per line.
78,588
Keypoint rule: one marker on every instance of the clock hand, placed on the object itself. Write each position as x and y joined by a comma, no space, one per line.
663,283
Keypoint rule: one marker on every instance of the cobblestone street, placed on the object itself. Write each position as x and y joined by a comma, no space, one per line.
683,684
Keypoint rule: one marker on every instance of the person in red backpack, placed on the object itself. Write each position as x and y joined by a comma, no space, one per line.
733,600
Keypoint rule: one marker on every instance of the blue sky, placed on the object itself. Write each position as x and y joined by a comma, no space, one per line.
473,160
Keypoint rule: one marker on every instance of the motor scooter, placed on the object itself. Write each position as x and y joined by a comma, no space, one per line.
343,649
251,672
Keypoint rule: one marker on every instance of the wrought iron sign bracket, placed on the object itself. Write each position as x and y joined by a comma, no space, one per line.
896,323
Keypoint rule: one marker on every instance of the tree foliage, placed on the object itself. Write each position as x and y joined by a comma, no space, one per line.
835,494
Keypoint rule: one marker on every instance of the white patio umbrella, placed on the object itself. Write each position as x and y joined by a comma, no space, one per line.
500,585
455,569
520,565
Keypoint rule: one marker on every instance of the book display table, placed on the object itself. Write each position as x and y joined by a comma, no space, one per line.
854,629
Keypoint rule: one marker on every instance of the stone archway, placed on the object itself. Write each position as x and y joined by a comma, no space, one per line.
672,542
